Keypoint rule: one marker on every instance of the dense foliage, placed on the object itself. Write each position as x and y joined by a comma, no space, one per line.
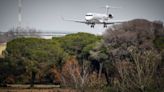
78,44
127,57
26,57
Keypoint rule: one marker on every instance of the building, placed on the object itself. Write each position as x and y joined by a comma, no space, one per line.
2,48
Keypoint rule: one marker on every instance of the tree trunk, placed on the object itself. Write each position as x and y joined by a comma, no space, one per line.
33,79
100,70
107,77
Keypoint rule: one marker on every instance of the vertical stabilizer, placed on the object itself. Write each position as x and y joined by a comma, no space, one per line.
107,9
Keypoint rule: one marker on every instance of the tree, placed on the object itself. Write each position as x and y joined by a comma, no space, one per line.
30,56
138,75
146,38
71,72
76,75
74,44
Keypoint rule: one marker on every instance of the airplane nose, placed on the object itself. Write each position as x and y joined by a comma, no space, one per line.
88,17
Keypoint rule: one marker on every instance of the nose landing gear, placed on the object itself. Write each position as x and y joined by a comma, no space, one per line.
92,25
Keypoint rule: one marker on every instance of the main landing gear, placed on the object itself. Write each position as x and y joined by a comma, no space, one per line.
105,25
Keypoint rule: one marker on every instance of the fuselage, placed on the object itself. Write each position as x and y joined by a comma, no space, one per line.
96,17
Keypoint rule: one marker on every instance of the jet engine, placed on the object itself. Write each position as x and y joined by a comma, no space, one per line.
110,16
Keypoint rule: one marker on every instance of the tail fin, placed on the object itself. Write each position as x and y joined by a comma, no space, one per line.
110,7
107,9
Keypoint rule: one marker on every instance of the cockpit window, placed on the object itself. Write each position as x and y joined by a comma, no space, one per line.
88,15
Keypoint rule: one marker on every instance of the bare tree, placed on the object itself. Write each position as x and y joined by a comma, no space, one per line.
139,74
74,74
131,45
18,32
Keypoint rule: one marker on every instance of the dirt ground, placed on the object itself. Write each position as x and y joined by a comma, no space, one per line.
37,90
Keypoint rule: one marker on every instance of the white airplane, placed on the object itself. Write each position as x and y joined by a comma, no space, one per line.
97,18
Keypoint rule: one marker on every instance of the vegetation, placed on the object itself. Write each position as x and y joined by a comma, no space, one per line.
27,59
127,57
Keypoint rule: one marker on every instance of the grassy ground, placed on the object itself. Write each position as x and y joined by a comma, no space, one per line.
2,47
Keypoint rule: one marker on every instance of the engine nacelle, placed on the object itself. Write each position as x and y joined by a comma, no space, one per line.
110,16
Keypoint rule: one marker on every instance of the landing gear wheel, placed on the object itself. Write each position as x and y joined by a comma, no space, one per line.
105,26
92,25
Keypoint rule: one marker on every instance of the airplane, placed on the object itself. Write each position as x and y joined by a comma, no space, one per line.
97,18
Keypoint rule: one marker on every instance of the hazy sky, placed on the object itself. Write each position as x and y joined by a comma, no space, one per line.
46,14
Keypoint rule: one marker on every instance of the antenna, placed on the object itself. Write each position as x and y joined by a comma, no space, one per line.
19,13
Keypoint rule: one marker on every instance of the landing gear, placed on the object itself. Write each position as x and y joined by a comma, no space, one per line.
105,25
92,25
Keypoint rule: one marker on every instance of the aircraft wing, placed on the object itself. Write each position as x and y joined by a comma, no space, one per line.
112,22
79,21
